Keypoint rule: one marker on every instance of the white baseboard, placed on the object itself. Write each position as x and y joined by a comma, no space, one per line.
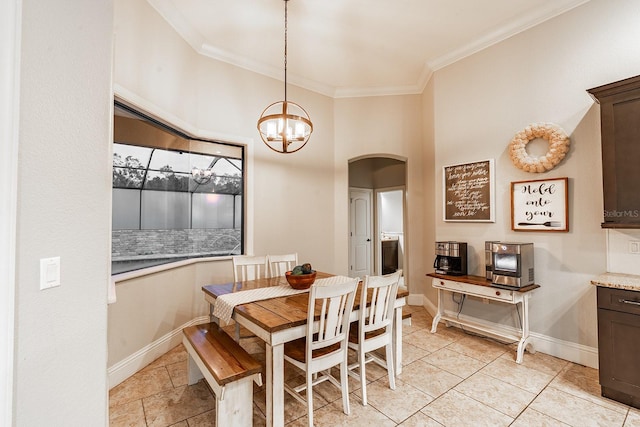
422,300
577,353
141,358
416,299
573,352
566,350
431,308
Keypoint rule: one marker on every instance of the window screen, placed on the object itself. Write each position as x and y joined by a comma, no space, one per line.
174,197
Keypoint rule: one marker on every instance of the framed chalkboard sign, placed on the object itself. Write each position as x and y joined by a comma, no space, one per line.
468,192
540,205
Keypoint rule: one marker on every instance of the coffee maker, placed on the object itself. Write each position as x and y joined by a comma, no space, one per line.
451,258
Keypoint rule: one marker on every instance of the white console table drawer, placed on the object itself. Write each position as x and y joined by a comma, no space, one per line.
474,290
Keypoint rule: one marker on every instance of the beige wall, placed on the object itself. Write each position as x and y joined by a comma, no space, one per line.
290,196
63,210
429,173
150,307
540,75
468,111
389,127
361,173
377,173
389,173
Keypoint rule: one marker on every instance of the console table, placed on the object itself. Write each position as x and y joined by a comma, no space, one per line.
480,287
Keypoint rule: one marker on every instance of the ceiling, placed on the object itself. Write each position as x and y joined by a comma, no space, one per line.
346,48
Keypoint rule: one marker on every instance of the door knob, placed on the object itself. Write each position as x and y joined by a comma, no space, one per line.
368,240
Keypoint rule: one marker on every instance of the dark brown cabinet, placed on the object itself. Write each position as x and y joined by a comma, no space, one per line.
620,128
619,344
389,256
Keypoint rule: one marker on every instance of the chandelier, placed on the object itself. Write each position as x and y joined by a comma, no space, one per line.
285,126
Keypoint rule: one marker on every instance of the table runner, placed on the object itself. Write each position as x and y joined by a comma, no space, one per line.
224,304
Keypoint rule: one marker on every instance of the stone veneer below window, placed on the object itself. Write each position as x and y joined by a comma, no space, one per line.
139,244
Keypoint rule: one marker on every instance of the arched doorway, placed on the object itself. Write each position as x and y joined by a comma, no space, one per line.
377,215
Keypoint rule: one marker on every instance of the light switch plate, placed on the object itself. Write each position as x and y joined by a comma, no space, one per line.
634,246
49,272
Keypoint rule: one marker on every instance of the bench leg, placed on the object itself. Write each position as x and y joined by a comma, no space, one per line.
236,407
193,371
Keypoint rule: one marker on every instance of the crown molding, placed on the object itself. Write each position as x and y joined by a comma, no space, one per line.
509,30
265,70
360,92
173,17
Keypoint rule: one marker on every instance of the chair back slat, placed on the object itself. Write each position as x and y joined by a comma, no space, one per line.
383,290
249,268
336,304
280,264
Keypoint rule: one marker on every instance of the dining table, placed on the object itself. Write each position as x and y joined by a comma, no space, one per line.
282,319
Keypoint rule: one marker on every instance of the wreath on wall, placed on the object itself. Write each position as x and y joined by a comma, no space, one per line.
558,147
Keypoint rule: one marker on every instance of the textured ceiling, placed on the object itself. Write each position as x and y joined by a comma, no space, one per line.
344,48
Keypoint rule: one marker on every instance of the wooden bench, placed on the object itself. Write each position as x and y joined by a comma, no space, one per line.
406,317
228,369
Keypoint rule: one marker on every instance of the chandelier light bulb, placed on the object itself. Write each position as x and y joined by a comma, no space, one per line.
201,176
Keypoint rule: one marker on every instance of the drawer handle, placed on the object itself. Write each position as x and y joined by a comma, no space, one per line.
626,301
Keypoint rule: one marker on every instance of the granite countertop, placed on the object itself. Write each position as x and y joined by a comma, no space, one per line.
618,280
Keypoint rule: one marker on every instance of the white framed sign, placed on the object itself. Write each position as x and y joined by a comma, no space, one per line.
540,205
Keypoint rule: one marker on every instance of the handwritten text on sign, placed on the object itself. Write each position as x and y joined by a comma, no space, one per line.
468,191
540,205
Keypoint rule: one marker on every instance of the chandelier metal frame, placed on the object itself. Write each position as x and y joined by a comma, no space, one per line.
284,126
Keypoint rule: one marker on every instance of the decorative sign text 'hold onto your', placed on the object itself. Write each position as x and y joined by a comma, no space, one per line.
539,205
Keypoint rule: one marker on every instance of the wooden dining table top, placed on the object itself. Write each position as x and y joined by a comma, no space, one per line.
277,313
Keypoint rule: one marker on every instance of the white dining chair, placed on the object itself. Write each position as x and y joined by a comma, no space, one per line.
280,264
374,328
325,348
246,267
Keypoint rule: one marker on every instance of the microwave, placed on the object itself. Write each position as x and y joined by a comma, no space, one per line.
488,259
512,264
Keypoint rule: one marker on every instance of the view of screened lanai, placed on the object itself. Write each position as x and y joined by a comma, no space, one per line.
174,197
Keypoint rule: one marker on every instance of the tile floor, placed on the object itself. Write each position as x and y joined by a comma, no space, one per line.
449,379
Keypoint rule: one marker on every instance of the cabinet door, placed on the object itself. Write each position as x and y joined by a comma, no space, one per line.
621,156
618,349
620,126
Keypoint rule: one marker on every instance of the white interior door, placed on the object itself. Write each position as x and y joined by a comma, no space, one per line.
360,231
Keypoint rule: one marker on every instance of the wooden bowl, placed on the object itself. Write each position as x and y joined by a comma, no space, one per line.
300,281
